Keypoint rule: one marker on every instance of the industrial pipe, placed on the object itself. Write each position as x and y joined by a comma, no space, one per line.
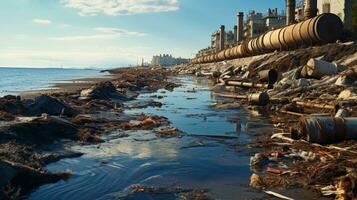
269,75
248,84
324,28
261,98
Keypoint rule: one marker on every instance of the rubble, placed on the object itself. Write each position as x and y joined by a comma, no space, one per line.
103,91
261,98
313,104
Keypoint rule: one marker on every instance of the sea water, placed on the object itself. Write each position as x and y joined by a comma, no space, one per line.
16,80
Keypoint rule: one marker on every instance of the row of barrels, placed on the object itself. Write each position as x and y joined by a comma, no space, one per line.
324,28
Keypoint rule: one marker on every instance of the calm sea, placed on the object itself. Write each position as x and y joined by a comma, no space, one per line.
16,80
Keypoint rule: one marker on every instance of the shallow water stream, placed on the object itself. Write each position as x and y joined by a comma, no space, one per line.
218,165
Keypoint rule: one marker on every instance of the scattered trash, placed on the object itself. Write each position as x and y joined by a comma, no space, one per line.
247,84
318,68
280,196
270,76
324,106
261,98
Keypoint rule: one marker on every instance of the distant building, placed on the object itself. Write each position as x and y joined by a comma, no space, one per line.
257,23
167,60
341,8
254,25
215,39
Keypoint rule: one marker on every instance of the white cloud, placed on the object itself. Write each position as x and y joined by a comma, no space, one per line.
103,33
118,31
42,21
120,7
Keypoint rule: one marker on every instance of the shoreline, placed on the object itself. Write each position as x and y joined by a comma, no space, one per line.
70,115
284,155
68,86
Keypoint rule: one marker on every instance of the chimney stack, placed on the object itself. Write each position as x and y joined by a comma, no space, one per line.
290,11
240,26
222,37
235,31
310,9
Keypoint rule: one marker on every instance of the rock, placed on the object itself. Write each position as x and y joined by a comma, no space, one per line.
4,116
12,105
24,178
49,105
104,91
255,181
303,82
259,160
345,81
39,130
348,94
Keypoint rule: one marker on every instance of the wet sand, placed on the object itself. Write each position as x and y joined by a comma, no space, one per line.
68,86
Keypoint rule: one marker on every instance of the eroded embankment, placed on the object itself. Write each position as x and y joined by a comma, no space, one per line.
313,148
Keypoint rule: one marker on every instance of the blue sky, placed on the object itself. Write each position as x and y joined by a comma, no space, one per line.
110,33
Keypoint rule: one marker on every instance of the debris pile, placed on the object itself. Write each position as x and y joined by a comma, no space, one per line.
311,97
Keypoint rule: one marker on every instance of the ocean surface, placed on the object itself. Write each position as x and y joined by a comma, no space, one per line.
16,80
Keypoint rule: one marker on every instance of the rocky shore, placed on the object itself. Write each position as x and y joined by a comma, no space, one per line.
310,96
36,129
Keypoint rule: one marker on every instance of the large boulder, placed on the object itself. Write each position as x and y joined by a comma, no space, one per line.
49,105
105,90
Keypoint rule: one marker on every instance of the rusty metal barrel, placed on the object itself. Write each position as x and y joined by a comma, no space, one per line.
326,130
266,41
275,39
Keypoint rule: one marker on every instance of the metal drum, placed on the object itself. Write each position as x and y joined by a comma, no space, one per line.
266,40
281,38
274,39
221,56
231,53
215,57
328,27
304,31
288,36
261,43
239,51
296,34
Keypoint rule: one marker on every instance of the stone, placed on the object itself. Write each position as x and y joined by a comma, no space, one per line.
39,130
347,94
49,105
105,91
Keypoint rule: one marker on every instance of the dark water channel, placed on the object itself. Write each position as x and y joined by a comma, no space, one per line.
220,166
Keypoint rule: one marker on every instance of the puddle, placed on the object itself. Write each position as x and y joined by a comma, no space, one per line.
203,159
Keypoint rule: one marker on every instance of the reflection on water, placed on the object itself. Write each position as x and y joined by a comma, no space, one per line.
108,170
132,147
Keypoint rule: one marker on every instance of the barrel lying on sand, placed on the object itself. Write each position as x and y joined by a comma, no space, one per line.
321,29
